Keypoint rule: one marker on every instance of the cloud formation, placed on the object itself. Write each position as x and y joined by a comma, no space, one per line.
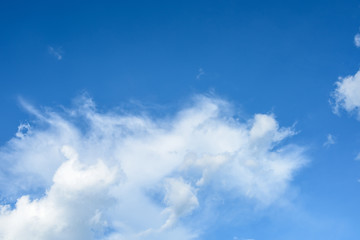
83,174
346,94
57,53
330,140
357,40
201,72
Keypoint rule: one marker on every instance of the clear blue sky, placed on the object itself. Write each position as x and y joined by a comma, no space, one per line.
270,57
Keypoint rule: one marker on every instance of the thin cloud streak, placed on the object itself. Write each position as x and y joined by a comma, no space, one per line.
201,72
56,52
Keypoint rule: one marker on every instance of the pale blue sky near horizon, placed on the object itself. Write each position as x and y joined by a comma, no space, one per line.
279,57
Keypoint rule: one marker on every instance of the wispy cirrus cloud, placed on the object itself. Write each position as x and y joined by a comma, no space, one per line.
83,174
56,52
201,72
330,140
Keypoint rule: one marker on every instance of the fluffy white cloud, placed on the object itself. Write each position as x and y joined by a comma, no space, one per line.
346,94
82,174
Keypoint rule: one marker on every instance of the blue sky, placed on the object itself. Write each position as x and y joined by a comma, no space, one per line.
245,112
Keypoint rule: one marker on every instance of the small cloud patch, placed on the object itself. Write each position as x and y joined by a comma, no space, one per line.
201,72
357,40
330,140
56,52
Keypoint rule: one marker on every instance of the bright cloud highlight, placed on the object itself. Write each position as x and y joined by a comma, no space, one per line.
346,94
83,174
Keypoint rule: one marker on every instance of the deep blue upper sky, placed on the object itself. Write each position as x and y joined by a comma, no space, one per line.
250,51
264,56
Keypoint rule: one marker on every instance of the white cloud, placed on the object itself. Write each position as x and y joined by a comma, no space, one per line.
201,72
81,174
181,200
56,52
70,209
330,140
346,94
23,129
357,40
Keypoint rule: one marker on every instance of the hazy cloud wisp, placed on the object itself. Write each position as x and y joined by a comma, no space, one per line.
56,52
330,140
357,40
201,72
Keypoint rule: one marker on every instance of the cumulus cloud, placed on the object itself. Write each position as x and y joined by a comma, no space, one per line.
346,94
85,174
